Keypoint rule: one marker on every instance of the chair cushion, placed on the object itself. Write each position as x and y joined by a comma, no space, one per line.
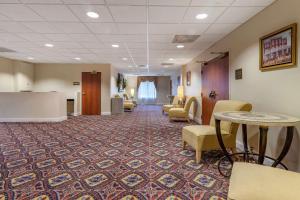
128,105
177,113
168,106
201,130
251,181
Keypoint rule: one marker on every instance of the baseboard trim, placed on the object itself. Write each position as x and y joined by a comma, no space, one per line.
105,113
76,114
53,119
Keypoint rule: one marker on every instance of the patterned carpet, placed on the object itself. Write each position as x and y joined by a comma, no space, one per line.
130,156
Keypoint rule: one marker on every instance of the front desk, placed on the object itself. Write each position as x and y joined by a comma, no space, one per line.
32,107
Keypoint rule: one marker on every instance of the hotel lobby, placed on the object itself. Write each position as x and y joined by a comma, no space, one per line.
149,99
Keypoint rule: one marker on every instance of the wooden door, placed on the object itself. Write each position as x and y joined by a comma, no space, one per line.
215,85
91,93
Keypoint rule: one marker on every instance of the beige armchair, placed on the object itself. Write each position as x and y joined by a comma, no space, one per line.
252,181
175,103
128,104
204,138
182,113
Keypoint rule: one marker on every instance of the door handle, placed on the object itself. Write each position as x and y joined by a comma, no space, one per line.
83,93
212,94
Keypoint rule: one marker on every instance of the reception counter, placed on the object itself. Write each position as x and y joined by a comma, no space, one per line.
32,107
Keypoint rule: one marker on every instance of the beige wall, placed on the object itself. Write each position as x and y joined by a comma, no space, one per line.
275,91
195,88
24,76
15,76
113,81
60,77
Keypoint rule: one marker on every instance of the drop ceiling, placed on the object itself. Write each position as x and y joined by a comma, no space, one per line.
27,25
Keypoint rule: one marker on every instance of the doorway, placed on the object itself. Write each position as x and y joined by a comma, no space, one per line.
91,93
215,85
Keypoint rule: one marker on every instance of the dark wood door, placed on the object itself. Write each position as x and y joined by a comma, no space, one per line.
91,93
215,85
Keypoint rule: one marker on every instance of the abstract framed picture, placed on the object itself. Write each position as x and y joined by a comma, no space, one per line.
188,78
278,50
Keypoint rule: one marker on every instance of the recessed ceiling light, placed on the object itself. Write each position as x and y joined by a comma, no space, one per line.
180,46
49,45
202,16
93,15
124,58
77,58
115,45
171,59
30,58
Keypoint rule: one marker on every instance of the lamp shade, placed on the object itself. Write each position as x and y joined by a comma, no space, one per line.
132,92
180,92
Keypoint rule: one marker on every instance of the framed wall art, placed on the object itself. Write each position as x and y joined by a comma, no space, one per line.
278,50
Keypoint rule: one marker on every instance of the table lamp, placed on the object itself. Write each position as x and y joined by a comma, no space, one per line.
180,94
132,93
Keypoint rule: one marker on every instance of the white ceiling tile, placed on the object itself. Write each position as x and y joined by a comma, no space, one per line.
132,28
186,29
54,12
26,25
71,27
42,1
14,27
213,14
3,18
9,1
8,37
170,2
238,14
161,38
83,37
159,14
58,37
212,2
41,27
19,12
88,2
221,28
127,2
252,2
34,37
92,45
105,28
128,13
81,10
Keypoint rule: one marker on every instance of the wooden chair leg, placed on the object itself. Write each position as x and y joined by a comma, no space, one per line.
198,155
184,144
233,150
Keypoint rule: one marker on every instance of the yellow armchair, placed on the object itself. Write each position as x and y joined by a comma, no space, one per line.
175,103
182,113
204,138
252,181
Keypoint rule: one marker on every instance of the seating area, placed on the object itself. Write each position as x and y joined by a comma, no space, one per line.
149,100
204,138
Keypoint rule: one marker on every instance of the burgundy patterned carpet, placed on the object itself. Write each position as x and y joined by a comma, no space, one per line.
131,156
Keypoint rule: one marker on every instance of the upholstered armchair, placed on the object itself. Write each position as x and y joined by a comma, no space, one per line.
204,138
128,104
175,103
182,113
252,181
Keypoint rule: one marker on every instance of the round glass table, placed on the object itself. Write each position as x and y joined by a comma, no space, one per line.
264,121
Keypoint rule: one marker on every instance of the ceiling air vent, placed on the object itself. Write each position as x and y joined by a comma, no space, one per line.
185,38
5,50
